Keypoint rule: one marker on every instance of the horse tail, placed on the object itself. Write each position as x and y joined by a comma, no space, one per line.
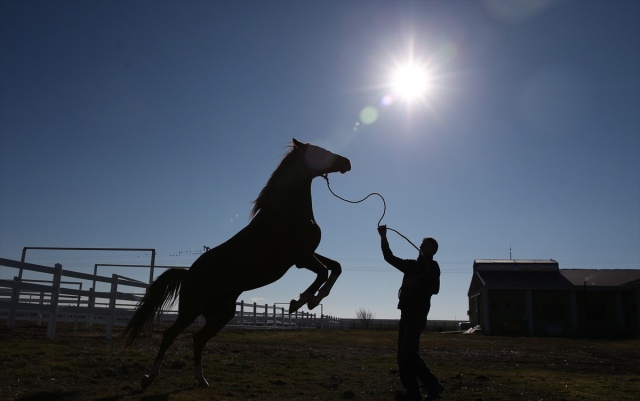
160,295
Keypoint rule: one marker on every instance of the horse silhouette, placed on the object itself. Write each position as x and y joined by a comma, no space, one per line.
282,232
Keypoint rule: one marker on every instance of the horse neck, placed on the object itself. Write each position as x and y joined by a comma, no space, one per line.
288,191
297,199
293,199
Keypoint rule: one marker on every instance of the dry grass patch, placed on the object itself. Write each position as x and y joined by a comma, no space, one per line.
313,365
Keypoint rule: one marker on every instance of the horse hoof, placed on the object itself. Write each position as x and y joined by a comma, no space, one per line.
146,381
202,382
294,305
313,302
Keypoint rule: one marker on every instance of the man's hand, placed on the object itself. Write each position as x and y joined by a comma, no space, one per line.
382,230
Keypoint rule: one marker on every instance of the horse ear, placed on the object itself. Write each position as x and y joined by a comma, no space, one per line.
297,144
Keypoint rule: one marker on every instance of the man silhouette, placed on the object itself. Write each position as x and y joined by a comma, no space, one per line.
421,280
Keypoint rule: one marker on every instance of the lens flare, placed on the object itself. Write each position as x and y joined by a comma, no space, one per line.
369,115
386,101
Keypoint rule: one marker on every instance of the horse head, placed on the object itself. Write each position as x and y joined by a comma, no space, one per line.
320,161
303,163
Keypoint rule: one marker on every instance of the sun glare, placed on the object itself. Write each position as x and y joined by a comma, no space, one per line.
410,81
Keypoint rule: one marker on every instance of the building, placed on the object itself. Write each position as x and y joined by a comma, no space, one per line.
537,298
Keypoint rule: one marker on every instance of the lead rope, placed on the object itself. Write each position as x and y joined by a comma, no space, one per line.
384,210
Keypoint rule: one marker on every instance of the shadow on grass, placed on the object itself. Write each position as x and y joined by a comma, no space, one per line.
50,396
75,396
155,397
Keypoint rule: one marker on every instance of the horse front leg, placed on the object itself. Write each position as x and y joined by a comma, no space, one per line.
320,270
335,269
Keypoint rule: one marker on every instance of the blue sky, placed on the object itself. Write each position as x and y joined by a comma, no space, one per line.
156,124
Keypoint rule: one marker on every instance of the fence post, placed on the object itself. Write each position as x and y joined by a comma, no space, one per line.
112,306
255,315
153,265
40,311
53,306
242,313
91,303
266,315
75,325
15,297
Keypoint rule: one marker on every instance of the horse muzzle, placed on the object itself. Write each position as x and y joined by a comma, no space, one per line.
345,165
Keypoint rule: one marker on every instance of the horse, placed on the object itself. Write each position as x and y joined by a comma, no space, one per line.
282,232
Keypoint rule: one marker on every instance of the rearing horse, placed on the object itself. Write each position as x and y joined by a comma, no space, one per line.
282,233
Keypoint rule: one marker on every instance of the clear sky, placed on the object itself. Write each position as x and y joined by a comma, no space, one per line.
156,124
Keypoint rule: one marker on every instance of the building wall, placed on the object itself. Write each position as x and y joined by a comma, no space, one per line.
549,313
631,313
552,313
508,313
474,310
597,313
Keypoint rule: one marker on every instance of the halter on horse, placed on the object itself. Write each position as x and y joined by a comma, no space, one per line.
281,233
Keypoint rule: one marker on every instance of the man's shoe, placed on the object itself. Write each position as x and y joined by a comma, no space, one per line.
412,395
434,392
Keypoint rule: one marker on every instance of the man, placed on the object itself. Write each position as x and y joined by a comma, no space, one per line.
421,280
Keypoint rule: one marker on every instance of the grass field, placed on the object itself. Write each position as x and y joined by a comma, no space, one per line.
314,365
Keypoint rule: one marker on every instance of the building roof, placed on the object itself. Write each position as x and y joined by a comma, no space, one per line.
515,264
602,277
549,280
545,274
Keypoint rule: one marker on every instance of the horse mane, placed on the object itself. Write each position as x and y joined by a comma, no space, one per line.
265,195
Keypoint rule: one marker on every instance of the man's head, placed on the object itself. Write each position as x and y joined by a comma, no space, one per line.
429,247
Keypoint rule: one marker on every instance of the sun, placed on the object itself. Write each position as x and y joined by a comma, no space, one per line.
410,81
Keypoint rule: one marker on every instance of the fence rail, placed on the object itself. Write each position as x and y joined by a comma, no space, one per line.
51,301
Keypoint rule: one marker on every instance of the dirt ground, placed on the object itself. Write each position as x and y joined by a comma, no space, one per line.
313,365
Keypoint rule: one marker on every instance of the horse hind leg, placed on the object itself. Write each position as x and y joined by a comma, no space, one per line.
182,322
335,270
217,316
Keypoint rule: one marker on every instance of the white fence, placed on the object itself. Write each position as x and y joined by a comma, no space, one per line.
51,301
